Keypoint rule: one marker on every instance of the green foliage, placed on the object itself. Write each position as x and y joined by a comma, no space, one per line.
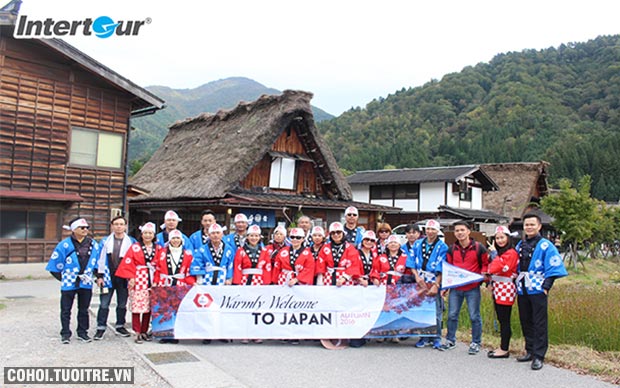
558,104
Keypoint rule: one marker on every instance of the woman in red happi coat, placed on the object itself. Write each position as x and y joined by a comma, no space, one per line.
339,261
388,267
294,264
137,266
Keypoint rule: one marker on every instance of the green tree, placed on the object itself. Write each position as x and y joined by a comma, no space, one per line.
575,213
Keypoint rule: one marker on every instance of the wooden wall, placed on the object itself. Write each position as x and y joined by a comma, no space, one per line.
43,95
306,178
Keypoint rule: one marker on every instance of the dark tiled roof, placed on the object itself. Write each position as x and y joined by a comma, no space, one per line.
419,175
474,214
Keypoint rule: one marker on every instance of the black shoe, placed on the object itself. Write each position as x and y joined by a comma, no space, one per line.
294,342
537,364
492,354
206,341
527,357
174,341
84,338
122,332
99,335
225,341
65,339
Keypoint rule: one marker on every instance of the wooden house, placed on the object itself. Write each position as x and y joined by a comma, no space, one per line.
64,129
265,159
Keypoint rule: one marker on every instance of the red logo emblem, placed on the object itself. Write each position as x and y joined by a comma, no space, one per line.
203,300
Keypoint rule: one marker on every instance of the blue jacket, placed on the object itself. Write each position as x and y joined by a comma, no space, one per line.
196,239
64,259
203,259
435,262
546,262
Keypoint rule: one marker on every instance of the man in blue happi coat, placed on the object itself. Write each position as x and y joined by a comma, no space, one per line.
540,264
73,263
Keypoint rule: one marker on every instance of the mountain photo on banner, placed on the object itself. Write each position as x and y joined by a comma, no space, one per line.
560,104
150,131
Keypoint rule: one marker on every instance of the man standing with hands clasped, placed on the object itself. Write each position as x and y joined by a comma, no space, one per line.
540,264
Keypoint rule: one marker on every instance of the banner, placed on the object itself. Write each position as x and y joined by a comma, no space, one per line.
299,312
452,276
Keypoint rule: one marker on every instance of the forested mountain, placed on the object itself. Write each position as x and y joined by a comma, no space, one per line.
559,104
183,103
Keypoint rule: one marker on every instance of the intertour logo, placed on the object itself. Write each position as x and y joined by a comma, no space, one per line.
102,27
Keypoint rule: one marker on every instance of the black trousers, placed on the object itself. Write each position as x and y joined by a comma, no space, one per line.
66,303
503,316
534,323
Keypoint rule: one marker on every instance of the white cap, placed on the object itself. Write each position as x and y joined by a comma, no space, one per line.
80,222
280,229
172,215
432,224
254,229
502,229
148,227
336,227
370,235
392,239
240,217
351,210
317,230
215,228
175,233
297,232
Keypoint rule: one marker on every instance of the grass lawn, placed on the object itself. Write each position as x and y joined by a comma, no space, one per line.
584,313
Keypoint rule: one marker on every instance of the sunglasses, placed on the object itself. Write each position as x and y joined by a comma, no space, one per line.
368,240
296,237
351,215
384,231
336,232
83,227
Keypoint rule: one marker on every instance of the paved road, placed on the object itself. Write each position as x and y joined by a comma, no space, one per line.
266,365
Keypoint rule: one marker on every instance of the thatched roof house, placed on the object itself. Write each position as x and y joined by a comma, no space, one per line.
520,184
266,154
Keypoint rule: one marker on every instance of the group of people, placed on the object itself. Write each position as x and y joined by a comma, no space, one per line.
344,255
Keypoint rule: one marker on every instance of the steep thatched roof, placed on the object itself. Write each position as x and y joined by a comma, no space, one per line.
208,155
518,184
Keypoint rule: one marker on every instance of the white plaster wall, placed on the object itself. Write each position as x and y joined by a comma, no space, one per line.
431,196
361,193
408,205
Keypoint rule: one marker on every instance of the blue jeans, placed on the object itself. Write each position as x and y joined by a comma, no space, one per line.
455,302
119,286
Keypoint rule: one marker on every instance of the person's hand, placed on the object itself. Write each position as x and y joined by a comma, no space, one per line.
376,282
100,282
131,283
228,282
363,282
433,290
340,282
492,247
546,292
292,282
444,293
420,282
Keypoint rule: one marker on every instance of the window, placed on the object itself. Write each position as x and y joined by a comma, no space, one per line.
382,192
96,148
22,225
410,191
406,191
465,195
282,175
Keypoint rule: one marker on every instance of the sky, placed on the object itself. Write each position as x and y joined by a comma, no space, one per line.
345,52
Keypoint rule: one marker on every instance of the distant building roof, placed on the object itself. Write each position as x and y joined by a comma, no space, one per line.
519,184
420,175
479,215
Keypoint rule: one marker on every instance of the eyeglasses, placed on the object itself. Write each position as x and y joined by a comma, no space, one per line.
296,237
351,215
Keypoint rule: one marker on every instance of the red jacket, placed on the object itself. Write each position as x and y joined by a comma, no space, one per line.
243,261
505,265
467,258
162,269
348,267
303,271
381,265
